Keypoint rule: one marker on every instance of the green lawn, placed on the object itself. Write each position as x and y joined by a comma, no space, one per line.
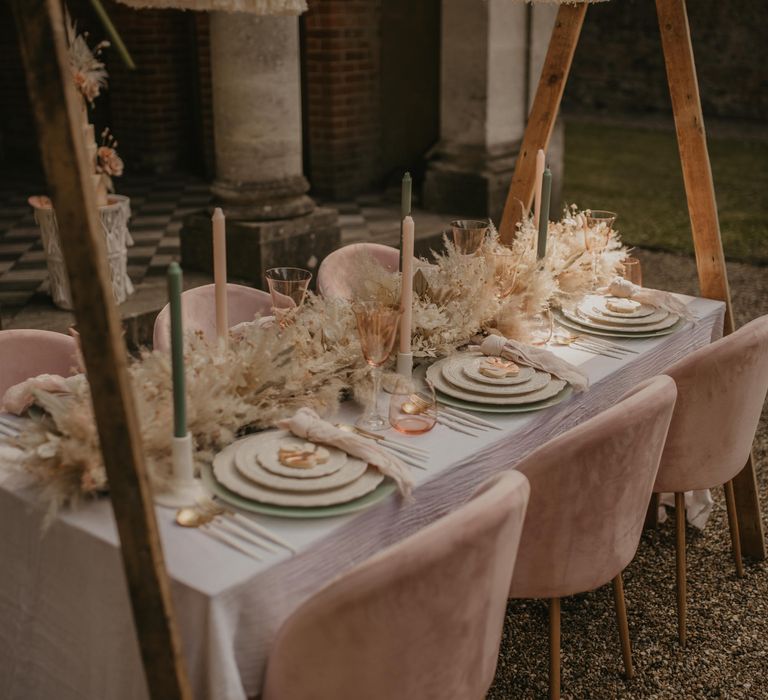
636,172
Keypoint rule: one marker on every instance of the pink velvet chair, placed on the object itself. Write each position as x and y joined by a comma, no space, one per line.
25,353
199,308
589,492
721,390
422,619
333,275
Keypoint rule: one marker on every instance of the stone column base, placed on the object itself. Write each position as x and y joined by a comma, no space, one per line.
474,182
255,246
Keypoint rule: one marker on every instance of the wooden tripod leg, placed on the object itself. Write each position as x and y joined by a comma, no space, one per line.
702,209
621,618
747,505
733,526
541,121
554,649
60,132
680,566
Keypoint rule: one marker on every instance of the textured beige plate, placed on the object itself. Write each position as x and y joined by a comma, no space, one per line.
595,314
563,321
226,473
668,322
470,367
434,376
263,447
251,468
451,372
598,301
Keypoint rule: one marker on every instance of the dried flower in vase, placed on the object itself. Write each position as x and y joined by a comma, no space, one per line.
108,162
88,71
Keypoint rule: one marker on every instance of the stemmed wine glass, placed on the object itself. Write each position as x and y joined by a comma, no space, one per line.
597,234
502,271
468,235
288,287
377,327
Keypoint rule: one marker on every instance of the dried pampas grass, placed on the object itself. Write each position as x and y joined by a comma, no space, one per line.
266,375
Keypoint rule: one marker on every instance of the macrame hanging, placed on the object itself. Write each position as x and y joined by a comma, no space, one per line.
256,7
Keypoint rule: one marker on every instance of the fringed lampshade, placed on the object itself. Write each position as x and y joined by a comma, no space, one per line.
256,7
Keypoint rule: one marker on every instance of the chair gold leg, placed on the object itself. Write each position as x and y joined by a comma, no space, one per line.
652,514
680,555
621,618
733,526
554,649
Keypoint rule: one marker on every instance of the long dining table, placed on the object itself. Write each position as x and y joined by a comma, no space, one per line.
66,629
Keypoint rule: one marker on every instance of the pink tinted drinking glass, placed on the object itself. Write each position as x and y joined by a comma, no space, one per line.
377,328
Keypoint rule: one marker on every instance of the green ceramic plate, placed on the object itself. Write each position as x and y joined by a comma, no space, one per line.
563,321
209,481
490,408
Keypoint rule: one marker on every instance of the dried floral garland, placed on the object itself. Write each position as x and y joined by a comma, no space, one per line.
265,375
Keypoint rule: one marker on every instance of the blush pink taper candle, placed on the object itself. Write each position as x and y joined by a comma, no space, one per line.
406,294
220,273
540,165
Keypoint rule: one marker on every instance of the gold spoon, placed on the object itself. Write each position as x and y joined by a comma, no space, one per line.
192,517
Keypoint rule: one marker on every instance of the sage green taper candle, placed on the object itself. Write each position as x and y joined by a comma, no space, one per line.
405,208
177,352
546,191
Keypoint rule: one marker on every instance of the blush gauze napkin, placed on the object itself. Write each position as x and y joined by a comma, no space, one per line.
666,301
538,358
306,424
19,397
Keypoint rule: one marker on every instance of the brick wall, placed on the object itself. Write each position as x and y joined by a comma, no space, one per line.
341,94
619,65
160,113
152,107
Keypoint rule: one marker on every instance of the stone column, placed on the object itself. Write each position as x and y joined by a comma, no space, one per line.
259,180
491,59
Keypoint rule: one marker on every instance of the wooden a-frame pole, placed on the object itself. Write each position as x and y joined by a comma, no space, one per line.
541,120
702,209
697,178
60,131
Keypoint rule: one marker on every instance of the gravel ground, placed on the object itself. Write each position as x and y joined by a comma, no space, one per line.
727,652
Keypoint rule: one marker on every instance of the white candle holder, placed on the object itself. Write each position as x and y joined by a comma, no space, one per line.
184,489
405,364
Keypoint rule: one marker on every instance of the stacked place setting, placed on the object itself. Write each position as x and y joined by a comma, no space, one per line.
276,473
474,381
617,317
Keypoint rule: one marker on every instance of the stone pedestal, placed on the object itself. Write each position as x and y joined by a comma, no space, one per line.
489,61
257,130
255,246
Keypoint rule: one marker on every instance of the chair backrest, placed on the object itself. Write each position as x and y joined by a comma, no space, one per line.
422,619
590,489
199,310
25,353
721,390
333,277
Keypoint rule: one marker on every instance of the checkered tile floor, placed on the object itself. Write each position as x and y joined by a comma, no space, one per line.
158,205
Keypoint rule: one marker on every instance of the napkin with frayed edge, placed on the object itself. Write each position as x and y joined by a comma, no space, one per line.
306,424
666,301
538,358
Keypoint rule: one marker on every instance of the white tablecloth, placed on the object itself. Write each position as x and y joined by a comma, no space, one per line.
65,624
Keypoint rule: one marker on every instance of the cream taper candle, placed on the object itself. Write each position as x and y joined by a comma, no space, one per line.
540,165
406,293
220,273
